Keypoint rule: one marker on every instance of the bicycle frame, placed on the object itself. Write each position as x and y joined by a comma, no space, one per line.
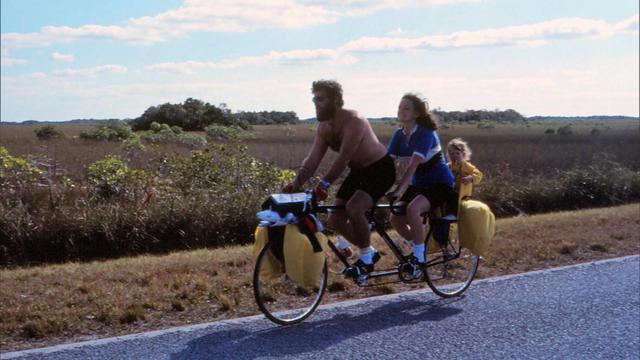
282,301
380,229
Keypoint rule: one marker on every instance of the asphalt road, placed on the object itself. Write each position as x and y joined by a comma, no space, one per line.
584,311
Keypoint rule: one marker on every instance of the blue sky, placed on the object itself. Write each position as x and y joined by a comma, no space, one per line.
69,59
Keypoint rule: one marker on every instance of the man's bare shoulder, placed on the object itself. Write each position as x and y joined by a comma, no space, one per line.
323,130
352,117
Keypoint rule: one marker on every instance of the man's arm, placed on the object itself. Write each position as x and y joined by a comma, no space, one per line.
351,139
311,162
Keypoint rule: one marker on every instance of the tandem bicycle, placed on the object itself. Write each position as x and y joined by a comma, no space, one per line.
449,268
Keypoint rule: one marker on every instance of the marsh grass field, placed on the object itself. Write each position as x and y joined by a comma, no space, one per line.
523,149
181,254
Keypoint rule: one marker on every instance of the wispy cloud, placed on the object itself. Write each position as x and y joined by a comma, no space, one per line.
521,35
530,35
214,16
293,57
7,61
62,57
93,71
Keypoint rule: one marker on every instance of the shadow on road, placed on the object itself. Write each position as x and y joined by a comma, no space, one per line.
313,335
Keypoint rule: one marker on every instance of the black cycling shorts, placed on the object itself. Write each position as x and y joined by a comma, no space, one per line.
375,180
437,194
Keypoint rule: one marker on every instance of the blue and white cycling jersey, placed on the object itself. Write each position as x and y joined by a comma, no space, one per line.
426,144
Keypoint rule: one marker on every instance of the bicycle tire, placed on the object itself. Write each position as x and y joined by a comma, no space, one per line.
279,298
450,268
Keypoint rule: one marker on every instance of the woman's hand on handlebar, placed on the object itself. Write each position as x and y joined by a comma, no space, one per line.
395,194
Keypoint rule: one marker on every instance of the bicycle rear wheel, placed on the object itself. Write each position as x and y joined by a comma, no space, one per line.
450,267
281,299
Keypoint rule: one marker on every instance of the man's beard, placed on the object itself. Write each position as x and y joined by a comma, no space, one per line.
326,114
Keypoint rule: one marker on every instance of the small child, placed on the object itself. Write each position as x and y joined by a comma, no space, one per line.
463,171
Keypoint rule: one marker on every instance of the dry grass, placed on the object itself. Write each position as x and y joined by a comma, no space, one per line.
59,303
525,148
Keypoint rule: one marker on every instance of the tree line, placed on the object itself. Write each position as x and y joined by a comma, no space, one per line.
196,115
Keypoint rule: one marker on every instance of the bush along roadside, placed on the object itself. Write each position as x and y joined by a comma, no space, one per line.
603,183
209,197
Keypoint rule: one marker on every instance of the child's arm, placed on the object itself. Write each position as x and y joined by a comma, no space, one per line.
471,174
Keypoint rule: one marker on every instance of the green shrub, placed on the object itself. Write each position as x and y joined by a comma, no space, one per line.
565,130
112,130
550,131
133,143
226,132
16,169
159,133
19,180
111,176
485,124
48,132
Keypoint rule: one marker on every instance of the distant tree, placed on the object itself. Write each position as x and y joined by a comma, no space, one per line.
268,117
192,115
48,132
506,116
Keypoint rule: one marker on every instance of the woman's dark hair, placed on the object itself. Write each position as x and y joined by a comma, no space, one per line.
331,87
425,117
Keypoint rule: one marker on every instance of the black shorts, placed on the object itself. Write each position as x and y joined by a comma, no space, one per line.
437,194
375,180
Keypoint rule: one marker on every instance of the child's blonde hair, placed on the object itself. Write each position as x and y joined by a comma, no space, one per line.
460,145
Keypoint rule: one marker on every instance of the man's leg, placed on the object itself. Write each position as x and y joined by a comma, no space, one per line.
356,208
399,223
337,221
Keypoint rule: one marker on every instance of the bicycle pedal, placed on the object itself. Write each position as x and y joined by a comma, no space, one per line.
362,280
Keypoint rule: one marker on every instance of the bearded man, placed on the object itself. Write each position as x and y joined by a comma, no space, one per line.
372,171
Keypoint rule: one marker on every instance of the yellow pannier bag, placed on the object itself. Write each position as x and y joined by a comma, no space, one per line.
302,264
272,267
476,226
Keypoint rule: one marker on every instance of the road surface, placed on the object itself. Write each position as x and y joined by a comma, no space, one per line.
582,311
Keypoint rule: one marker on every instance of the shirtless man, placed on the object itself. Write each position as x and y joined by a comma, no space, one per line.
372,171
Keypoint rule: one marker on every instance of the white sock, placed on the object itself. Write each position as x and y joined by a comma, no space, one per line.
418,252
366,254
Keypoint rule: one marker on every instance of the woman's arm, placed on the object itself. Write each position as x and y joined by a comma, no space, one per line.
402,186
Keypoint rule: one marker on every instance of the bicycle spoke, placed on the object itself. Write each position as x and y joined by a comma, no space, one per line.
281,299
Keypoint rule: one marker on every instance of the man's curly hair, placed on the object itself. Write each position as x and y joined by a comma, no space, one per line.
331,87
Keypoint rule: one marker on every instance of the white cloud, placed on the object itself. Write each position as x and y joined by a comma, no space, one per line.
531,35
6,61
293,57
214,16
62,57
93,71
575,89
521,35
397,32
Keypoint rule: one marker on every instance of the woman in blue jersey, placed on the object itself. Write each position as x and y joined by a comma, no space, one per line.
427,181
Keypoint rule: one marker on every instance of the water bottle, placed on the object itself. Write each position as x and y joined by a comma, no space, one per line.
344,247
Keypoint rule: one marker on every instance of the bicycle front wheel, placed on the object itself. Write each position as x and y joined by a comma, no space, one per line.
450,267
281,299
